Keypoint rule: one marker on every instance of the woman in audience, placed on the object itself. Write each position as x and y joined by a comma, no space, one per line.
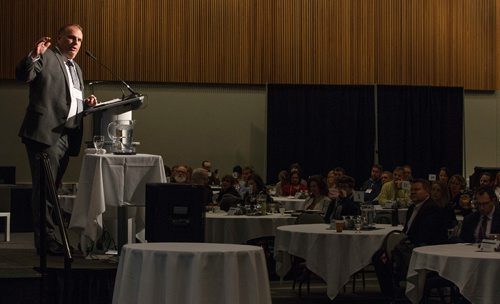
317,194
257,188
440,195
333,191
227,187
283,182
294,186
444,175
459,198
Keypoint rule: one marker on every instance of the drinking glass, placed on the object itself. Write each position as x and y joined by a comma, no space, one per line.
98,143
358,223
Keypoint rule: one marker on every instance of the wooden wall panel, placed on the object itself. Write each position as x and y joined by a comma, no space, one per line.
419,42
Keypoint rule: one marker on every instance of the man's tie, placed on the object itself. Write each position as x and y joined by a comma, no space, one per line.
482,230
74,75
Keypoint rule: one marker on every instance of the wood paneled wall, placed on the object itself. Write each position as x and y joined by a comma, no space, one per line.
419,42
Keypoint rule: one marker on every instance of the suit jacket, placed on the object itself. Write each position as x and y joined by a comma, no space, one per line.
49,100
429,225
472,220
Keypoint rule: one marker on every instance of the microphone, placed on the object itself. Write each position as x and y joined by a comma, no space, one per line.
134,93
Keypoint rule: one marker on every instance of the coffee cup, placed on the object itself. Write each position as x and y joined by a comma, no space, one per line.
282,211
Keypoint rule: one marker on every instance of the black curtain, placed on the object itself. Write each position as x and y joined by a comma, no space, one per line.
320,127
420,126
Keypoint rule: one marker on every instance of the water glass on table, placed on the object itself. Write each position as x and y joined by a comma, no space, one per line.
98,143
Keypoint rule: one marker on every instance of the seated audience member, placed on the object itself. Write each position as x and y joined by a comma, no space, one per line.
317,194
200,177
372,186
295,167
283,182
228,196
386,177
333,192
459,198
295,185
257,187
444,175
425,222
243,187
497,185
393,191
440,195
180,174
227,187
213,177
237,172
344,205
407,173
486,179
483,222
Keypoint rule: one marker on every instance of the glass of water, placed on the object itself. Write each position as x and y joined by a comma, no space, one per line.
358,224
98,143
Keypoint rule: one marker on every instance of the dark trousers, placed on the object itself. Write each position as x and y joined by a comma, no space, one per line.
58,157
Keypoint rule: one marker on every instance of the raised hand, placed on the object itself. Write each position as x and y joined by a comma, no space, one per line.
41,46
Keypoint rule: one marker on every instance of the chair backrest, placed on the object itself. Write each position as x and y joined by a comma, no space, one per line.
392,239
309,218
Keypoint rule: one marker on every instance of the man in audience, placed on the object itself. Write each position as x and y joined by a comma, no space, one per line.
407,172
486,179
344,205
180,174
483,222
386,177
243,183
425,222
393,190
372,186
200,177
213,177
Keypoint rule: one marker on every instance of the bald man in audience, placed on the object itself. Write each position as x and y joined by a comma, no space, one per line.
425,221
485,220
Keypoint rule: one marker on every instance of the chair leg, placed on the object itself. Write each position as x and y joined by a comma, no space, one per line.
7,228
363,278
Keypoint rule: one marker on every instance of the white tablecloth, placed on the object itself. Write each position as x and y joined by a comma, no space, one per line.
237,229
476,274
108,181
331,255
291,203
179,273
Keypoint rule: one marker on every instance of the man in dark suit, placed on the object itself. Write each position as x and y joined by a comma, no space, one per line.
425,222
485,220
52,123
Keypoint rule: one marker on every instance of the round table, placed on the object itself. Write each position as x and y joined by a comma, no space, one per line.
331,255
475,273
155,273
290,202
238,229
